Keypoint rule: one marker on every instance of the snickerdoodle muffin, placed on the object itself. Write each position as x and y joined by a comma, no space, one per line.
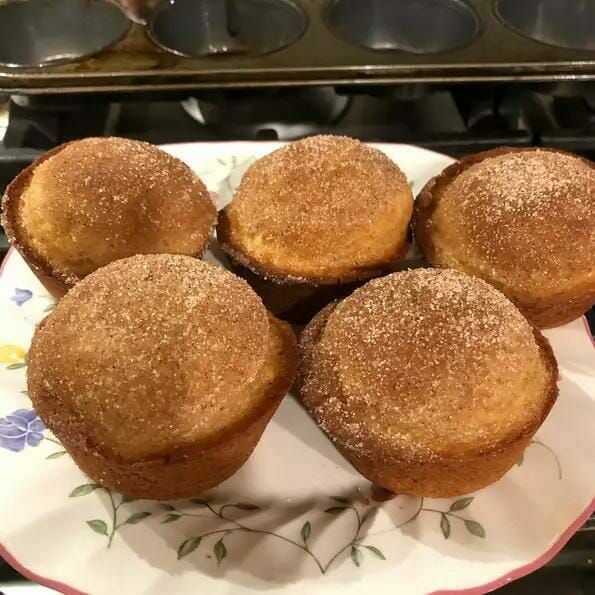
521,219
319,213
89,202
430,382
159,374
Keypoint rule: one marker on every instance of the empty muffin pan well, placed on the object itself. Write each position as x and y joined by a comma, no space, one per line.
216,27
39,33
417,26
563,23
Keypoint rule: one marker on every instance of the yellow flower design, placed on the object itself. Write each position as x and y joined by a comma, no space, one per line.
12,354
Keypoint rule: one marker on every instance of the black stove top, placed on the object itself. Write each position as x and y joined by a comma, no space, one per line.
455,120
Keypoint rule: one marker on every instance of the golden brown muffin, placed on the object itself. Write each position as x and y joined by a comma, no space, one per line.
323,211
159,373
430,382
523,220
93,201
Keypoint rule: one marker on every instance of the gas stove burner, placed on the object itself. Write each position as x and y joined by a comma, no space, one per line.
34,33
417,26
268,113
562,23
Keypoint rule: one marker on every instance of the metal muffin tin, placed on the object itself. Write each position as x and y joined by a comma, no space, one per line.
416,26
201,28
192,44
563,23
35,34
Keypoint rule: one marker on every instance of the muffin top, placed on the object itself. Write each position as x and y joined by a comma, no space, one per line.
96,200
524,220
150,354
430,362
323,209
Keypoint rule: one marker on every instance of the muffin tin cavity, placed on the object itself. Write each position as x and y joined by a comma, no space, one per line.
417,26
43,32
563,23
218,27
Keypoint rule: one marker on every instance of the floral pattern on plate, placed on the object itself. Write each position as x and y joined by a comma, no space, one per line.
19,429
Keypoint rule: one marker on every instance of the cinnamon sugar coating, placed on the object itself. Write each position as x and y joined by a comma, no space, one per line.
422,369
159,360
523,220
322,210
93,201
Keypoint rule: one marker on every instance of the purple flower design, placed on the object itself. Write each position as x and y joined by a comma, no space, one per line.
21,296
20,428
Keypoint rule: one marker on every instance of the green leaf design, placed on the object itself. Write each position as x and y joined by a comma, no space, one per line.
335,509
306,530
370,513
126,499
520,460
26,357
170,518
137,517
50,307
475,528
56,455
98,526
356,556
188,546
166,506
199,502
16,366
245,506
340,499
375,551
25,392
460,504
220,551
83,490
445,526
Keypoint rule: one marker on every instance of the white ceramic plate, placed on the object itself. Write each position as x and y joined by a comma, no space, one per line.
296,518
